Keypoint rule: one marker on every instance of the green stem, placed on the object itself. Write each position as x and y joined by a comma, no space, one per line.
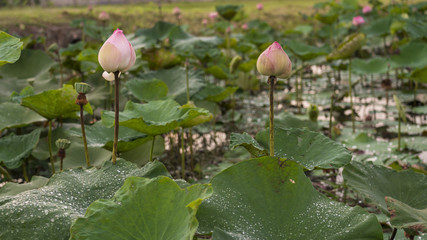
330,115
82,124
191,148
116,116
351,96
182,155
49,142
398,135
61,164
187,81
152,148
6,174
271,82
393,234
24,170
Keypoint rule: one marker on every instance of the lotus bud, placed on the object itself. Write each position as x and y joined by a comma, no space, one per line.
176,11
213,15
62,143
117,54
245,26
82,87
103,16
274,62
259,6
313,113
358,20
366,9
205,22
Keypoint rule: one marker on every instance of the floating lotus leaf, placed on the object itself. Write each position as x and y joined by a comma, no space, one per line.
10,48
155,117
15,116
47,212
15,148
347,48
268,198
378,182
155,209
58,103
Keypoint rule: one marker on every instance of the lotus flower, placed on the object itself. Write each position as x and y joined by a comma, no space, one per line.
117,54
358,20
245,26
366,9
213,15
103,16
274,62
259,6
176,11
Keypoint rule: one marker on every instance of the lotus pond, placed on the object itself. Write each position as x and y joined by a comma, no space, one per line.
180,135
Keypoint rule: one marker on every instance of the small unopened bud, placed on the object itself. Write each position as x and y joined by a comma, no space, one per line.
313,112
259,6
103,16
274,62
176,11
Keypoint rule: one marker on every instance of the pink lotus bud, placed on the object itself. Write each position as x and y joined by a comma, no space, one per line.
213,15
259,6
366,9
117,54
245,26
274,62
358,20
228,30
103,16
176,11
89,8
205,22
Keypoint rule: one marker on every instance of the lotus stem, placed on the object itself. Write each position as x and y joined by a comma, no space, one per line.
24,171
182,155
152,148
398,134
187,81
116,116
393,234
191,148
331,109
271,82
6,174
82,124
49,142
350,92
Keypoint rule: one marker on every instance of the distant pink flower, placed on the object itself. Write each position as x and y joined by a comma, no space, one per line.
245,26
358,20
103,16
213,15
205,21
259,6
176,11
366,9
228,30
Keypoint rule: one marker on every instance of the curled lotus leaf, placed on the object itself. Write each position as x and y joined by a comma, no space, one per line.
347,48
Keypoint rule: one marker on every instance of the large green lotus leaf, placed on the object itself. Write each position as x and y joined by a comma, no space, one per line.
348,47
144,209
15,116
10,48
375,65
377,182
175,79
185,43
267,198
228,11
411,55
248,142
47,213
11,188
98,135
147,90
35,62
286,120
404,216
379,27
215,93
151,36
141,154
15,148
155,117
306,52
58,103
308,148
419,75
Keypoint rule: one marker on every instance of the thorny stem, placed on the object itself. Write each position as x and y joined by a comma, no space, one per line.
5,173
24,170
82,124
271,82
49,142
350,92
152,148
116,116
182,155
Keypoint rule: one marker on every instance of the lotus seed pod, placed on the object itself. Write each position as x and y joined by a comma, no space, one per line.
117,54
274,62
82,87
62,143
313,112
